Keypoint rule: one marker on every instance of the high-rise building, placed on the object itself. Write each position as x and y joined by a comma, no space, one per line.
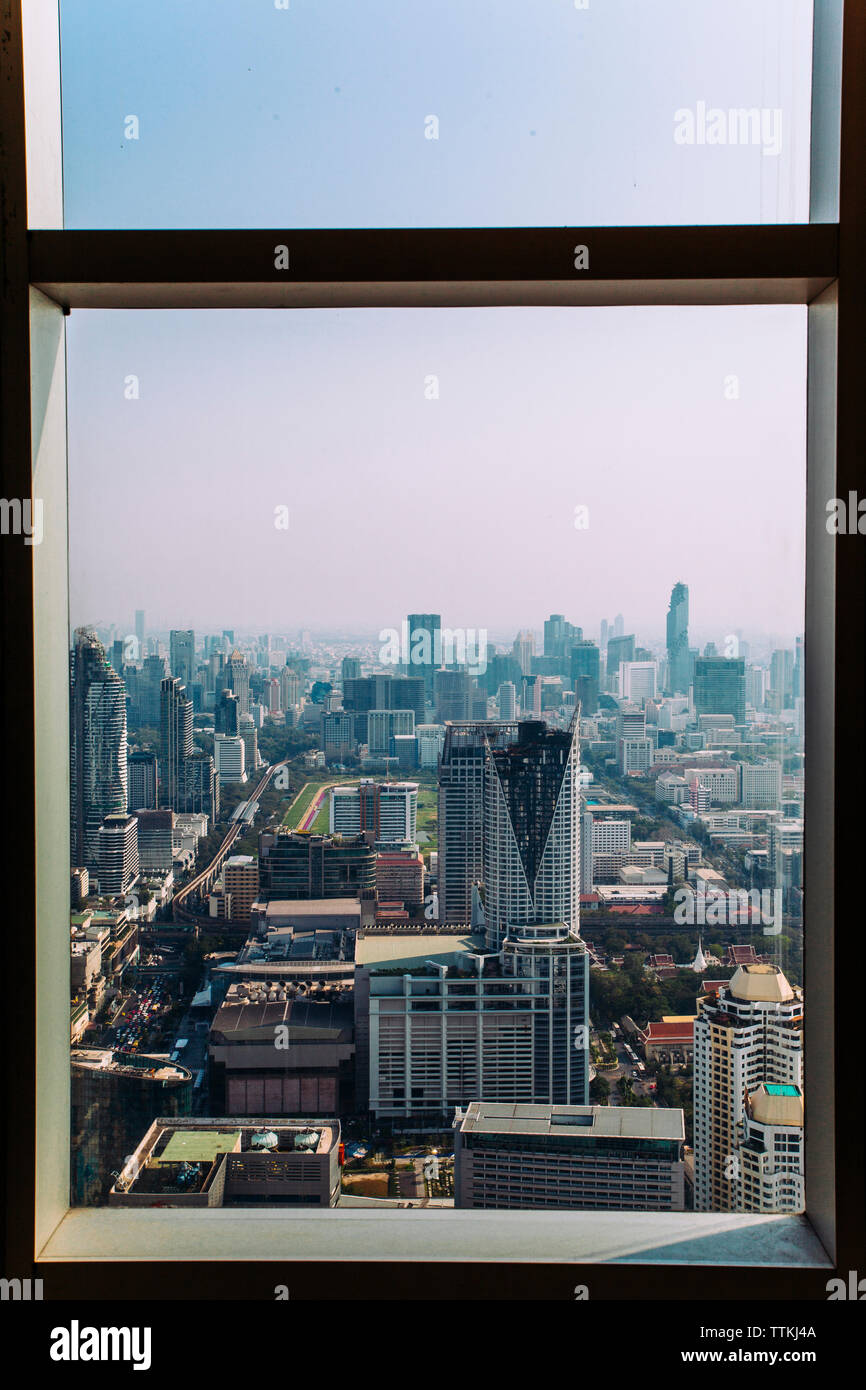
155,840
782,680
511,1027
182,655
175,739
350,668
425,649
531,831
771,1154
295,865
750,1033
678,641
618,625
523,651
506,699
238,673
637,680
139,630
338,735
118,854
383,726
98,767
461,813
452,693
250,735
230,758
431,740
290,688
720,686
619,649
387,810
761,785
241,885
227,713
585,675
200,786
142,781
383,691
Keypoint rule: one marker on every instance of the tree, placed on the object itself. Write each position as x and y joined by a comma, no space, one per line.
599,1090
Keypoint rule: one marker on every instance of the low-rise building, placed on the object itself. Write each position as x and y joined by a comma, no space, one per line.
581,1158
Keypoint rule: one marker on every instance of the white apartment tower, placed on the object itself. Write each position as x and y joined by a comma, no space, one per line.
750,1035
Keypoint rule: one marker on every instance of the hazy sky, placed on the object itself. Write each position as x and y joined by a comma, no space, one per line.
317,115
463,505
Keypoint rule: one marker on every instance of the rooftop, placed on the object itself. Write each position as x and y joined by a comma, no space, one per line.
412,949
596,1121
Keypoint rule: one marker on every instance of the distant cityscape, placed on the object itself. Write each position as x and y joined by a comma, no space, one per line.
426,919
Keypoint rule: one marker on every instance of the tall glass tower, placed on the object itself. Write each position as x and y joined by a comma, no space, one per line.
678,641
98,770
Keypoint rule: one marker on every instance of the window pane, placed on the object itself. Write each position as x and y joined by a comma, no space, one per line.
387,114
394,550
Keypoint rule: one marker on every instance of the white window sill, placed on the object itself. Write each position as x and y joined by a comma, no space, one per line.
551,1237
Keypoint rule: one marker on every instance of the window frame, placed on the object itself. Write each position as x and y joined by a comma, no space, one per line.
99,1252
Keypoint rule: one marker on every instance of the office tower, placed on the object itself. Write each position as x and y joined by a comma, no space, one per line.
314,866
756,686
250,735
338,735
350,668
98,769
585,675
430,739
461,813
155,840
227,713
761,785
781,680
699,796
618,625
290,688
506,699
604,633
230,758
678,641
387,810
238,673
271,695
501,668
182,655
771,1155
175,738
452,693
531,831
579,1158
720,687
425,649
117,656
139,630
637,680
530,696
142,781
513,1030
618,649
228,638
200,786
751,1032
118,854
363,693
383,726
554,631
400,877
798,684
523,651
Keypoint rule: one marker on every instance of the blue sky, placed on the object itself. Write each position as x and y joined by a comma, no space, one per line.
250,116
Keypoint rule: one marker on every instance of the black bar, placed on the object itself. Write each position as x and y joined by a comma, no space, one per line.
478,255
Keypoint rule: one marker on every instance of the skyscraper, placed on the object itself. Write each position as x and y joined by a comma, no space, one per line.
618,649
425,649
142,781
585,666
239,680
750,1033
531,831
175,740
720,686
182,655
139,631
97,746
461,813
678,641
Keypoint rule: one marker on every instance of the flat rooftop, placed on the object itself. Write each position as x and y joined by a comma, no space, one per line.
390,950
592,1121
